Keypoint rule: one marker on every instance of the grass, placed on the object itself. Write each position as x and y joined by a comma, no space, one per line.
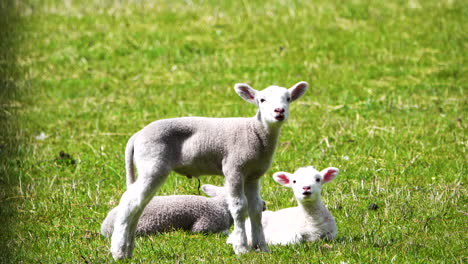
387,105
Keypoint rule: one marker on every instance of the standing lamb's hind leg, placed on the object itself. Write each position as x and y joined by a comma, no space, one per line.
252,191
237,203
131,206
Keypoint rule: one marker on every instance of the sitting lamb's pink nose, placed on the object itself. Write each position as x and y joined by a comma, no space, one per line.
306,188
279,110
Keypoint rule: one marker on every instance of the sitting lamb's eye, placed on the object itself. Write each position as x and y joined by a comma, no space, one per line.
289,99
294,181
262,100
317,180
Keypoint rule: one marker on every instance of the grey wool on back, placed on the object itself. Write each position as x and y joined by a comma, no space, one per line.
186,212
184,144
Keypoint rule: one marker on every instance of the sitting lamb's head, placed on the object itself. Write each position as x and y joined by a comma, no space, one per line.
306,182
272,102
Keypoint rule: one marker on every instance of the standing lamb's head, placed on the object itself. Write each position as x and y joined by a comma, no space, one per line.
306,182
272,102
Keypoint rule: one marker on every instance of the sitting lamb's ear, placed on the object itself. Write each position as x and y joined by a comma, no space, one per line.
283,178
246,92
298,90
212,190
329,174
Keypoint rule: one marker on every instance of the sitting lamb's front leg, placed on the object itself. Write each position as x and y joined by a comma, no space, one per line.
255,203
237,203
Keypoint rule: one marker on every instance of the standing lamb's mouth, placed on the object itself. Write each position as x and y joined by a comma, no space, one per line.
306,193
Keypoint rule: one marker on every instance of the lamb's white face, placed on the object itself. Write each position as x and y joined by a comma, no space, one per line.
272,102
306,182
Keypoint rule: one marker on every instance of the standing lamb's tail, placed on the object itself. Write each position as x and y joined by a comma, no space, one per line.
129,167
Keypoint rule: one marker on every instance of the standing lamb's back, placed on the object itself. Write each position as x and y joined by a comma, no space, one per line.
187,212
310,220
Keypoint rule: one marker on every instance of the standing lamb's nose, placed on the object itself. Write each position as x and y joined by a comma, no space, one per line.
279,110
306,188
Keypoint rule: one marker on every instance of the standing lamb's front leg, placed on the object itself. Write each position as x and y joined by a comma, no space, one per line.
237,203
252,191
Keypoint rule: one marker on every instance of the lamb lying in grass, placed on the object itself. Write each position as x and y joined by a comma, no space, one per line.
187,212
309,221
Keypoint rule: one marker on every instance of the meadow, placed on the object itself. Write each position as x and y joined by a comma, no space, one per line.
386,105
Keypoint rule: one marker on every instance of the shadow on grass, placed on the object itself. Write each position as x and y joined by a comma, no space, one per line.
10,76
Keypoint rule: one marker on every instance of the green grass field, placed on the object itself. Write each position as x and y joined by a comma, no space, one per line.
386,104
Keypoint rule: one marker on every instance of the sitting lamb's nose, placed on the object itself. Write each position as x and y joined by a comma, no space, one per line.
279,110
306,188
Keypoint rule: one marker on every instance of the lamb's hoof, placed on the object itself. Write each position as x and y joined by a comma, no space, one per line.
240,249
262,248
229,240
119,254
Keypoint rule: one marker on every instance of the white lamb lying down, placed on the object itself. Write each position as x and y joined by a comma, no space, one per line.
187,212
310,220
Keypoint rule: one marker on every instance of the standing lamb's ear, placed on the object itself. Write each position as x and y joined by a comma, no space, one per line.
329,174
246,92
283,178
298,90
212,190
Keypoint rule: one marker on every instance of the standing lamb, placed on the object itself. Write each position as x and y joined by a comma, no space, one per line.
310,220
194,213
240,149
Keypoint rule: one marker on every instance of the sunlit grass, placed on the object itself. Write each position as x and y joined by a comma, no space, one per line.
386,105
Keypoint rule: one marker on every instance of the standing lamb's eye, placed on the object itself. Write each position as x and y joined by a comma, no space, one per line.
289,99
317,180
294,181
262,100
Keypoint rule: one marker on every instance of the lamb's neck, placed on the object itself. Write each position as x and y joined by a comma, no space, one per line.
314,210
267,132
